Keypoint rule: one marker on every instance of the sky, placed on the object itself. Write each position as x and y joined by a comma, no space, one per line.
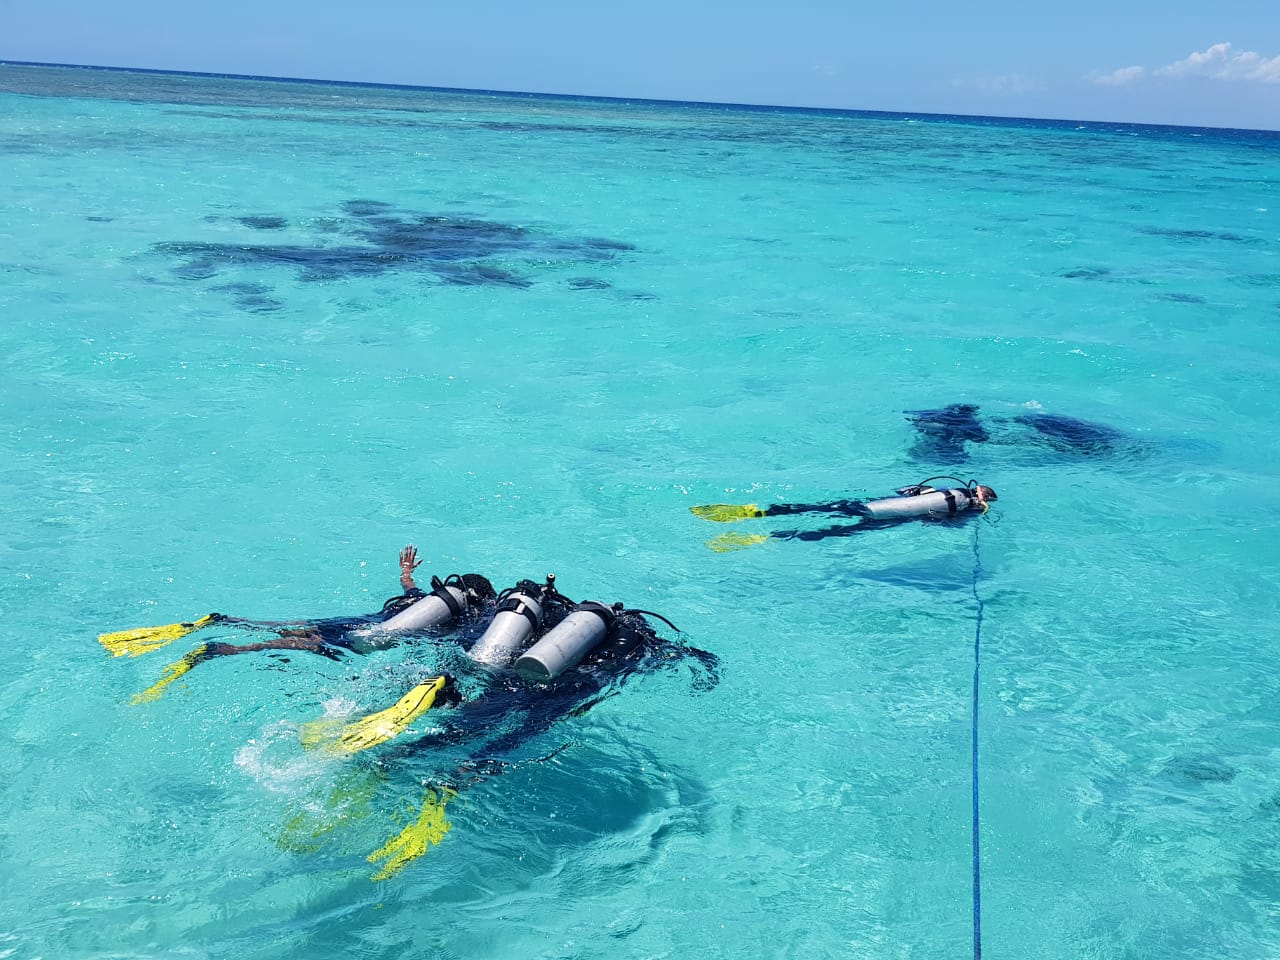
1187,62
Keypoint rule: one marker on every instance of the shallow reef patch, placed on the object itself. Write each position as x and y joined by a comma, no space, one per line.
372,237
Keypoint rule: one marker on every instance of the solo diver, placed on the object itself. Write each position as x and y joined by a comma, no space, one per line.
918,501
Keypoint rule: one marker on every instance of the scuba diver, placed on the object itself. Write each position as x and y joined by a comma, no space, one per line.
540,655
941,434
457,597
918,501
542,658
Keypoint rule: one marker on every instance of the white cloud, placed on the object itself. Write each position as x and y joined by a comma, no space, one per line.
1222,62
1119,77
1001,85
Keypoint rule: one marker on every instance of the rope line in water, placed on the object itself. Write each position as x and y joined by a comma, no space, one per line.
977,663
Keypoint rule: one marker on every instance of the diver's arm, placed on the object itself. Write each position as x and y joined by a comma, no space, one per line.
306,640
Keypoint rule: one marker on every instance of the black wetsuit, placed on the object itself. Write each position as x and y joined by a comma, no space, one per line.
858,509
510,710
333,636
342,631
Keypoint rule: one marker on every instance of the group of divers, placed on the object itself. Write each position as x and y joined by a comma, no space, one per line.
533,654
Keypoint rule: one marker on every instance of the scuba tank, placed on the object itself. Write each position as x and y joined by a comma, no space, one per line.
564,646
449,598
519,617
919,500
931,503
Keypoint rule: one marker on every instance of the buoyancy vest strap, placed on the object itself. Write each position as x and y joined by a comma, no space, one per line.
605,613
951,500
441,590
518,604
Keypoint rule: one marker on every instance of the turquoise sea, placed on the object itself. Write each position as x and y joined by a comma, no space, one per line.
258,335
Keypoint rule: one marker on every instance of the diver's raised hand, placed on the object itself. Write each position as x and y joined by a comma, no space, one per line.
408,563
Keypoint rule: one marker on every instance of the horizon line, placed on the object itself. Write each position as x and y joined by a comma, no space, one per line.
657,101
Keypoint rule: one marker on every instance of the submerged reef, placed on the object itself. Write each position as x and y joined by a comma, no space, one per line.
943,434
1071,435
372,237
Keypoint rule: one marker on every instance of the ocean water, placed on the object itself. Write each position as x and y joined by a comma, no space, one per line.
259,335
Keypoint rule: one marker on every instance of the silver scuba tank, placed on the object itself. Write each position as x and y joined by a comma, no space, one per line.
433,610
934,503
518,618
568,642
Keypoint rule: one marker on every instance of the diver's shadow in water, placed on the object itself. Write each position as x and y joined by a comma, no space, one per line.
949,573
599,808
602,791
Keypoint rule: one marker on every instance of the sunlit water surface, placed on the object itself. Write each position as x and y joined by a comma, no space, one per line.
258,335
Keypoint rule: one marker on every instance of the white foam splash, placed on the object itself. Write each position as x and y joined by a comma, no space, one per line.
277,761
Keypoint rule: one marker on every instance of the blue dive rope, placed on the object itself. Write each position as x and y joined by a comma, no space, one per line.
977,860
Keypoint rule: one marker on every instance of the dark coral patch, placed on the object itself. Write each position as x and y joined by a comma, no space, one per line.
941,434
252,297
1199,769
1258,279
373,237
481,274
263,223
1072,435
1087,273
1194,235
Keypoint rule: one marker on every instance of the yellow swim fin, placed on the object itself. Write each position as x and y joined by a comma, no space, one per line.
377,727
412,842
728,542
319,733
308,827
726,512
142,640
171,673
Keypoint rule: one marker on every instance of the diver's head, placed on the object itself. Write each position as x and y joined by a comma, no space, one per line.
985,493
479,587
